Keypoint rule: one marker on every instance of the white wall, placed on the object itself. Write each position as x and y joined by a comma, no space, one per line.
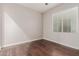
68,39
21,24
0,26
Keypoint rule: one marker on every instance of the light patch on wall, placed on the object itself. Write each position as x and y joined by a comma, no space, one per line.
12,32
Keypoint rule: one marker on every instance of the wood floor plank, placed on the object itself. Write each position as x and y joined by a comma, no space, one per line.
39,48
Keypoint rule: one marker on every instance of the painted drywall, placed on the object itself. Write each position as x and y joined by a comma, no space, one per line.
67,39
21,24
0,26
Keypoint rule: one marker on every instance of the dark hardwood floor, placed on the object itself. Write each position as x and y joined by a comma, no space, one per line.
39,48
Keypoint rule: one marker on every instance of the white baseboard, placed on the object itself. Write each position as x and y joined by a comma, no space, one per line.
62,43
19,43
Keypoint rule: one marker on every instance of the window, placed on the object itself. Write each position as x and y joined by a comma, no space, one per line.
66,21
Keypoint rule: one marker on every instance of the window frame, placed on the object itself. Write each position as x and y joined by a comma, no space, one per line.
66,11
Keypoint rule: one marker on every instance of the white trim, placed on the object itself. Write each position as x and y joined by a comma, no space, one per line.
77,17
19,43
61,43
65,11
61,24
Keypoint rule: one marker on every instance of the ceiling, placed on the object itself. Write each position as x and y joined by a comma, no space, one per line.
40,7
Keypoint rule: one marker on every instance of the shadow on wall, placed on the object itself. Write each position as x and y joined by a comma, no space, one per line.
12,32
28,20
21,24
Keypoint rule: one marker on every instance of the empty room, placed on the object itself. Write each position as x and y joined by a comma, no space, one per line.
39,29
